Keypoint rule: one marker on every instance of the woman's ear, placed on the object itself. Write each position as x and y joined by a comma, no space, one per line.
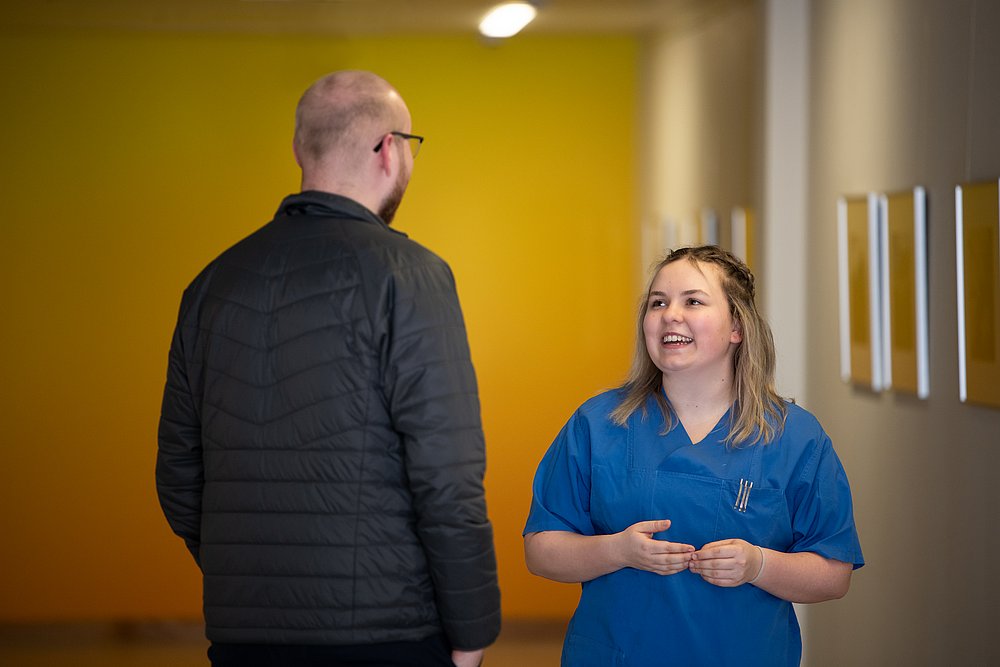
736,335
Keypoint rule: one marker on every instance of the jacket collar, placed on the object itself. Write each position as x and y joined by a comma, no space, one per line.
327,205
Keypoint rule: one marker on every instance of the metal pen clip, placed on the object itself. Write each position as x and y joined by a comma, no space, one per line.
743,495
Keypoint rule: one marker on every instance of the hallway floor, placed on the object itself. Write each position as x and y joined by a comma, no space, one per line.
521,644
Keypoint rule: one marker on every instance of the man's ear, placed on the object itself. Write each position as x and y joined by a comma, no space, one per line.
387,154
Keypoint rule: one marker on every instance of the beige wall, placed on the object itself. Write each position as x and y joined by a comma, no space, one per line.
900,93
701,125
906,93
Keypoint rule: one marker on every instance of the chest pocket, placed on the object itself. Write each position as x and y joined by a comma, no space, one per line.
693,503
704,508
697,487
763,521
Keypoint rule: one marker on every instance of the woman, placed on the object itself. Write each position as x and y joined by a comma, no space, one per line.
693,503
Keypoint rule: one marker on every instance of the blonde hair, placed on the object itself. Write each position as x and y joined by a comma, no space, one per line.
758,411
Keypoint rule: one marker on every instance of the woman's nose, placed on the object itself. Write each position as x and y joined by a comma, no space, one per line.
672,313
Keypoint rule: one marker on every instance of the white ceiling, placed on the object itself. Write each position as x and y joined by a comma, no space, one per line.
348,17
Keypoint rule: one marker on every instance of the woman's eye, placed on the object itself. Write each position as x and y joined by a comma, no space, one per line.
657,303
694,302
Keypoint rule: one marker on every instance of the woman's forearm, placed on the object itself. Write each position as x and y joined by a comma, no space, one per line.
803,577
570,557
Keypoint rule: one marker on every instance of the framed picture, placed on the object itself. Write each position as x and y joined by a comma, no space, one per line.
860,278
708,227
904,292
670,234
681,232
977,244
741,221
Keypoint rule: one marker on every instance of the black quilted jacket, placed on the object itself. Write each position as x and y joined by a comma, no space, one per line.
320,446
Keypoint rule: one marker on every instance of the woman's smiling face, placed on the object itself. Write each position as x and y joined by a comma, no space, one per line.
688,324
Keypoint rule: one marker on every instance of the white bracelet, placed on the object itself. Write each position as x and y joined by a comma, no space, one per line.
763,562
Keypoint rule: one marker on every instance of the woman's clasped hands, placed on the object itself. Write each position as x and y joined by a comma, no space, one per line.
725,563
640,550
728,563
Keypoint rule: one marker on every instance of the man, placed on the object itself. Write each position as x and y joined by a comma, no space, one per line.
320,446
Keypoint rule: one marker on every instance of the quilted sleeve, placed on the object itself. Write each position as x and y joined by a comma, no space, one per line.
179,467
434,405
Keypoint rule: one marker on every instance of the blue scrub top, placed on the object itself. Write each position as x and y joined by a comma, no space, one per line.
598,478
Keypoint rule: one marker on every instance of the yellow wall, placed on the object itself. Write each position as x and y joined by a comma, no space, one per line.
131,160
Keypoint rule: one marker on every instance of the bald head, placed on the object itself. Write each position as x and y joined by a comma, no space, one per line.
340,115
339,121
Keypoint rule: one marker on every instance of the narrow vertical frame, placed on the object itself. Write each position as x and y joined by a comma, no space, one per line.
904,306
960,284
860,278
670,235
744,236
708,227
875,286
885,316
843,291
923,297
977,248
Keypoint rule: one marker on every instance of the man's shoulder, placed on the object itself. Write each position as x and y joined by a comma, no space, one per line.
391,253
228,255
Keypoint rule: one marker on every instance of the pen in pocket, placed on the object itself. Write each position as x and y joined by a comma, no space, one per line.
743,495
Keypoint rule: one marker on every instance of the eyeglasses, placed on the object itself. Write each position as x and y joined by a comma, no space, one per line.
414,141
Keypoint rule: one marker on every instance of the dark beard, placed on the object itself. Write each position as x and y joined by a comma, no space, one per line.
387,211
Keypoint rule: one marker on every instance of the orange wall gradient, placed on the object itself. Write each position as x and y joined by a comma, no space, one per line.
131,160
